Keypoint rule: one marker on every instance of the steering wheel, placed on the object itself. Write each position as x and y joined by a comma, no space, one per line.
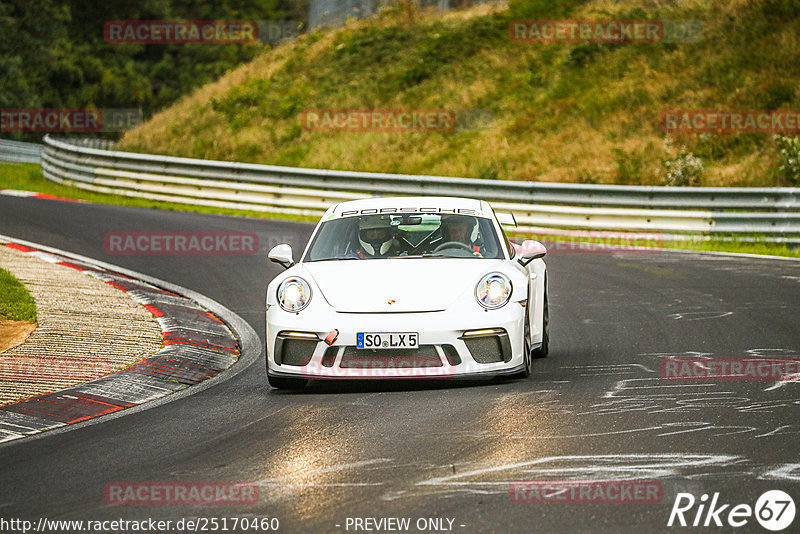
453,244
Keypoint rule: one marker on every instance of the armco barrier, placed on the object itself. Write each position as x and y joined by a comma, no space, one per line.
768,211
20,152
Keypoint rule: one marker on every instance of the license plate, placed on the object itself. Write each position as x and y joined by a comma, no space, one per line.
387,340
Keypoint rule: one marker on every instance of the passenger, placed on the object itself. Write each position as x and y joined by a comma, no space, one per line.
376,237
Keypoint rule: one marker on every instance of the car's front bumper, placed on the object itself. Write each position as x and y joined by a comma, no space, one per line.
295,346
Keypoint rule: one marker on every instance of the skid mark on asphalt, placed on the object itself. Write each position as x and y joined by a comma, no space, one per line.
655,395
790,379
640,389
664,429
289,487
461,434
685,354
496,479
781,430
771,353
788,472
699,315
608,369
702,426
283,480
763,352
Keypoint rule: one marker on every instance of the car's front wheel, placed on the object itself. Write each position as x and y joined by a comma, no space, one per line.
280,382
526,348
542,351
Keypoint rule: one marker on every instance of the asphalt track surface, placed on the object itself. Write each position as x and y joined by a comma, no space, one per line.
595,409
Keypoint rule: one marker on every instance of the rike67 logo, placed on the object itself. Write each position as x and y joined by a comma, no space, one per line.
774,510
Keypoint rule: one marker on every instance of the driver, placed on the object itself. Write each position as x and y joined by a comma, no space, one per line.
376,237
460,229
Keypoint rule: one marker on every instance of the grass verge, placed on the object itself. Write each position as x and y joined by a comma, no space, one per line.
617,242
742,247
16,304
28,177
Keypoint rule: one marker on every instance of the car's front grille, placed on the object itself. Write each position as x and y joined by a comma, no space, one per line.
451,353
488,349
296,351
424,356
330,356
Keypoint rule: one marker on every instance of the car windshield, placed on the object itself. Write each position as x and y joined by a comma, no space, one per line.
405,236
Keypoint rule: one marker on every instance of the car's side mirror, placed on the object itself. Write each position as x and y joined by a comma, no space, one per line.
530,250
525,259
282,254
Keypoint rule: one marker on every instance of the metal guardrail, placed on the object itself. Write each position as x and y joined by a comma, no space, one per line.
770,211
20,152
92,142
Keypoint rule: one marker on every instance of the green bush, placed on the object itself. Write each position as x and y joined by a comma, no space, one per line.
789,152
683,168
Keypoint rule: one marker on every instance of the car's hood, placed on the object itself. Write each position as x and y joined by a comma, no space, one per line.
411,285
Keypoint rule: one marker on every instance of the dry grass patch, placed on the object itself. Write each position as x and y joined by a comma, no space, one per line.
14,333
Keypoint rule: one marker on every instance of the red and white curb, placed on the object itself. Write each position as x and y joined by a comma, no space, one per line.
198,345
34,194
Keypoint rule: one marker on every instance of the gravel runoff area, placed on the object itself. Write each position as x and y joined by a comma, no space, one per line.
86,329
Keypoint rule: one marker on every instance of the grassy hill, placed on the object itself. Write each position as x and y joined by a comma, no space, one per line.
577,112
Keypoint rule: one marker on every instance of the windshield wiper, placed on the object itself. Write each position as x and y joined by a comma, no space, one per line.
426,255
334,259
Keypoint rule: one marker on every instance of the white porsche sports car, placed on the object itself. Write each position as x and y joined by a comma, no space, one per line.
406,287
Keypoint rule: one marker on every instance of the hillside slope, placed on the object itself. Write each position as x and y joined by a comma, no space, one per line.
582,112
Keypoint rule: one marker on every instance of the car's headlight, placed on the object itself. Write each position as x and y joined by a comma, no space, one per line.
294,294
493,291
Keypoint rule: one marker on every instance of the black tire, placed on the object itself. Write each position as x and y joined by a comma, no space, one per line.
542,351
280,382
526,347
